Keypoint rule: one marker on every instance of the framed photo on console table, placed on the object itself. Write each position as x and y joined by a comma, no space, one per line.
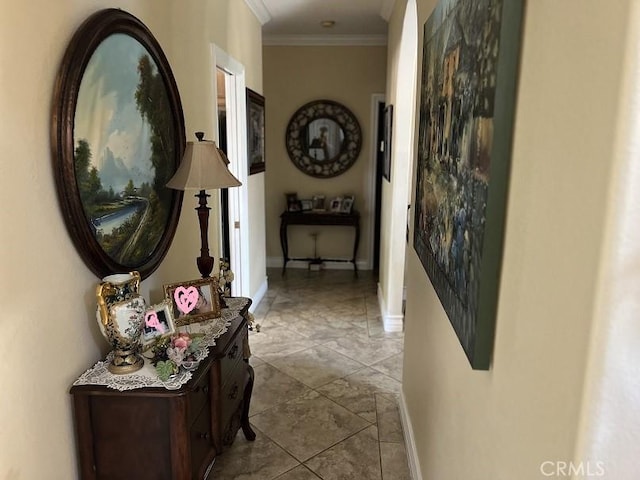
193,301
347,204
158,322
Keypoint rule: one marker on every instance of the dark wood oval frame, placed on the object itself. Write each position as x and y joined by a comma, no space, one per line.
87,38
295,134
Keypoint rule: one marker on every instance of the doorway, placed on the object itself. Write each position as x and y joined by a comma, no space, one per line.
230,97
378,112
221,99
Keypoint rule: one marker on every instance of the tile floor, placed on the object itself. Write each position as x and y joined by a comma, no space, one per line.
325,400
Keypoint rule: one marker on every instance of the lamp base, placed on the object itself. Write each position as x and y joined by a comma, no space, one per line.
205,266
204,261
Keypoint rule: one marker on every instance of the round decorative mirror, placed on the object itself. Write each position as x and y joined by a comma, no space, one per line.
323,139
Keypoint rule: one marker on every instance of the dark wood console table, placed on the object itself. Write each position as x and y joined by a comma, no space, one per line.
318,218
160,434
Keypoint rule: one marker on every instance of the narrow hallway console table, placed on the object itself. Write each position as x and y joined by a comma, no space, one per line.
318,218
161,434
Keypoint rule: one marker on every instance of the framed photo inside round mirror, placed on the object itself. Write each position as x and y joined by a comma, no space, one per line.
117,137
323,138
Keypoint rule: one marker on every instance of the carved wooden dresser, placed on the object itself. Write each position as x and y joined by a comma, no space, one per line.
155,433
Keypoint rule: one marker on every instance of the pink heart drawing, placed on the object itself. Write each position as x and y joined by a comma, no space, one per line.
186,298
151,320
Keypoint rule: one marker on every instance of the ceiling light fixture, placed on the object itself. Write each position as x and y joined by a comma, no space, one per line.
327,23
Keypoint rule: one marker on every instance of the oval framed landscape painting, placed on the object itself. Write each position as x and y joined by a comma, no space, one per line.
117,139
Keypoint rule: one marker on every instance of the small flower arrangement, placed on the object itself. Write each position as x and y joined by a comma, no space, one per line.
173,351
225,277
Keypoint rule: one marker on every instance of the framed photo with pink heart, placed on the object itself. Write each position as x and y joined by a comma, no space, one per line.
158,322
193,301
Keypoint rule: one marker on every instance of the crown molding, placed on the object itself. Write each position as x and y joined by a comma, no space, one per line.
387,9
260,10
325,40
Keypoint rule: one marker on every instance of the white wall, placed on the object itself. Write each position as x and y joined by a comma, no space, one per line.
46,292
504,423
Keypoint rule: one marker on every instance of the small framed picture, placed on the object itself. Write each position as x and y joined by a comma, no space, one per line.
158,322
318,203
293,204
336,205
193,301
347,204
306,205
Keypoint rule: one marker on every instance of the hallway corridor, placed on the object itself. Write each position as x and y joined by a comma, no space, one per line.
328,379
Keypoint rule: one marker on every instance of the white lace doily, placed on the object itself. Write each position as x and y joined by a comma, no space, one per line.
147,376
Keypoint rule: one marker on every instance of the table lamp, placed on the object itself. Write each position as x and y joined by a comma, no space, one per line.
203,167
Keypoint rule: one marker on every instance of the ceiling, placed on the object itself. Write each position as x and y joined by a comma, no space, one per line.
298,22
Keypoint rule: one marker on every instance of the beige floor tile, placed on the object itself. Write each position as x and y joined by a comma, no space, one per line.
273,387
255,361
393,457
391,366
388,418
317,366
299,473
313,398
308,424
276,342
356,392
356,458
365,349
261,459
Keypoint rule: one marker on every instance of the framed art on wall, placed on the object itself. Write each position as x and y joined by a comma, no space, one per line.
388,129
117,136
467,103
255,132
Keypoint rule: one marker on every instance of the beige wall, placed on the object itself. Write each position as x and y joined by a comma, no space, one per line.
503,423
401,77
294,76
46,292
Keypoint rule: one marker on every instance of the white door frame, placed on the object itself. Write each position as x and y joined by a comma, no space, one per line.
237,152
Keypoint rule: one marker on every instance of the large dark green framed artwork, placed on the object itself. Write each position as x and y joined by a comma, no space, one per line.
467,101
117,136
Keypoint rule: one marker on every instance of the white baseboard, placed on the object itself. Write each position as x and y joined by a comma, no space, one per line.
259,295
276,262
409,441
393,323
390,323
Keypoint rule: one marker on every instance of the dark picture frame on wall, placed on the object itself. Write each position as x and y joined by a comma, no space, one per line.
255,132
117,136
388,133
467,106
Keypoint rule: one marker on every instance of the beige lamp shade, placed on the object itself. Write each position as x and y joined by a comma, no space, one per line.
203,167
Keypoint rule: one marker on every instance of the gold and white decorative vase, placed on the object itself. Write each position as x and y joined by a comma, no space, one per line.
120,316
